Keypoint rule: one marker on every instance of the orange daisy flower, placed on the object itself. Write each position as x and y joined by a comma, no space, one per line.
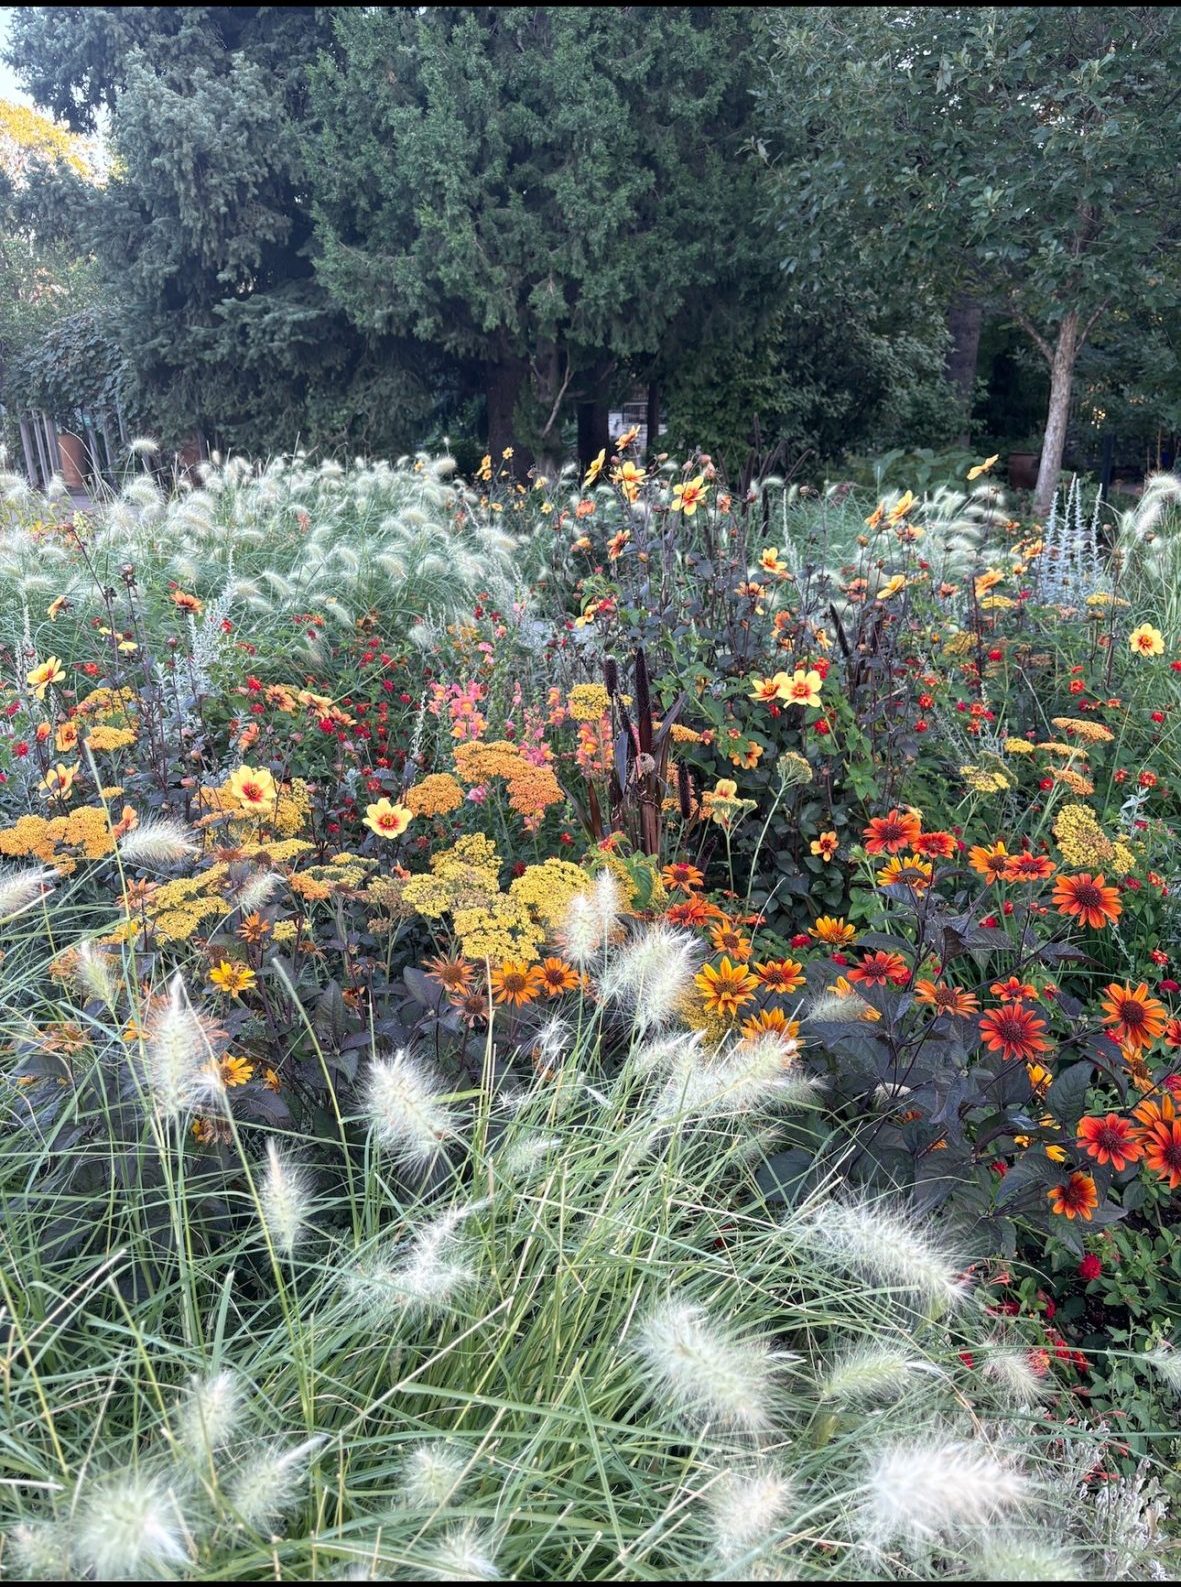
726,938
1013,990
1014,1031
1088,899
934,845
693,912
826,846
906,871
1077,1198
1172,1033
891,833
557,977
833,930
780,975
1028,868
946,999
680,875
1155,1110
515,983
454,974
881,969
725,989
1162,1151
771,1022
1111,1140
1136,1020
989,862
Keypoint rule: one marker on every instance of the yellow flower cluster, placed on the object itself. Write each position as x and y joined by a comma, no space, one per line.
465,875
587,702
319,882
103,737
1075,781
985,780
1083,842
1089,732
59,841
176,909
503,929
531,789
546,889
435,795
109,705
961,644
1018,746
285,815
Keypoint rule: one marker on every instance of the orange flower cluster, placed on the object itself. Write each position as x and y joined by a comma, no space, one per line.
532,789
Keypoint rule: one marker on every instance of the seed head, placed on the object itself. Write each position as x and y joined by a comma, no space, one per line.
405,1110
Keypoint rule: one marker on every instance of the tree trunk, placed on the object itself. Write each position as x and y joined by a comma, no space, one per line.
502,385
653,418
594,433
964,318
1054,441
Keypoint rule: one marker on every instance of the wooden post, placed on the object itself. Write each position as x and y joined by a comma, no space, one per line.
30,452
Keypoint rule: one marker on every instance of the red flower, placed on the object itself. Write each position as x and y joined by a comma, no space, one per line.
1110,1140
1162,1150
1088,899
881,969
892,833
1014,1031
1090,1267
1077,1198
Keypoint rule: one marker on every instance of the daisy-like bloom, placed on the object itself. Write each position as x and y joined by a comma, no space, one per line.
988,580
254,789
58,780
688,497
694,911
629,477
989,862
1172,1033
902,506
1160,1109
66,738
515,983
826,846
254,929
454,974
771,562
595,469
935,845
881,969
892,833
983,468
686,878
388,820
726,938
1028,868
49,671
803,688
1040,1079
893,586
616,544
1146,641
1111,1140
725,989
768,690
1077,1198
780,975
55,608
1135,1018
1162,1151
556,977
471,1005
834,930
623,441
748,758
1014,1031
906,870
1088,899
187,603
235,1071
945,999
771,1022
232,978
1013,990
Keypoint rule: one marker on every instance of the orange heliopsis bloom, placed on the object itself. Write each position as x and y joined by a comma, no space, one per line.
1110,1140
1014,1031
826,846
557,977
1162,1151
906,870
1077,1198
1173,1033
1088,898
1136,1020
515,983
934,845
1028,868
693,911
725,989
945,999
1013,990
453,973
891,833
727,938
232,978
680,875
989,862
1160,1109
780,975
881,969
832,929
187,603
254,928
772,1022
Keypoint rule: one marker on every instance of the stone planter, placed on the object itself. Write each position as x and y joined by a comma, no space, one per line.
72,451
1023,467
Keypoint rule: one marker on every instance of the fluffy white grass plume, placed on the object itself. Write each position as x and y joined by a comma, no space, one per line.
409,1119
928,1490
210,1415
591,918
96,974
885,1245
256,890
432,1474
269,1484
650,974
745,1507
1014,1373
464,1553
38,1552
176,1054
703,1369
871,1374
752,1076
19,889
159,842
677,1052
425,1274
285,1196
1020,1558
1165,1361
129,1527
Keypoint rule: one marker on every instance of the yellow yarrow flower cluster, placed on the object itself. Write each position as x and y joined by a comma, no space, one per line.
1018,746
1089,732
319,882
285,815
587,702
1083,842
985,780
531,789
1074,780
546,889
84,833
103,738
176,909
435,795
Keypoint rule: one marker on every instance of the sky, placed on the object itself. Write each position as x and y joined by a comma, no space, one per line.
8,84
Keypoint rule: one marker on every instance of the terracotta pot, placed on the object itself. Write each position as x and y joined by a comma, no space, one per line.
1023,467
72,451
